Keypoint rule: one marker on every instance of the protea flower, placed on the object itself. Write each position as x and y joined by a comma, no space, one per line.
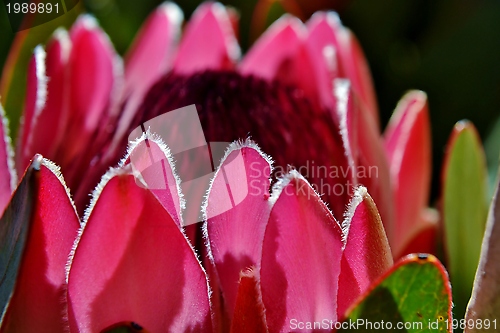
303,94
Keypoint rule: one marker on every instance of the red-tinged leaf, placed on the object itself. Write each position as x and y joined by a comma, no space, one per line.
329,31
300,257
484,305
14,227
91,69
366,254
37,303
362,140
8,175
408,148
414,296
237,211
281,54
249,311
52,117
133,263
36,97
152,160
208,41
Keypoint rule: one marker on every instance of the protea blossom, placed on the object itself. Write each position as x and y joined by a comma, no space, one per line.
302,94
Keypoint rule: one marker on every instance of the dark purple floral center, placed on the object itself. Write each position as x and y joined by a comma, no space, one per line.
279,118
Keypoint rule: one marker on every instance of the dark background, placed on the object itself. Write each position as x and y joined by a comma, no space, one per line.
447,48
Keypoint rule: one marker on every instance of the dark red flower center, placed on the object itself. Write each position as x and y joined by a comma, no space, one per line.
279,118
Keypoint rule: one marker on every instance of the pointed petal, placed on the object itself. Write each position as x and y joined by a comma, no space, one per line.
249,311
328,31
366,255
37,302
281,54
208,42
362,140
485,301
36,97
53,117
237,210
300,257
152,52
152,160
408,148
150,56
91,77
129,246
8,175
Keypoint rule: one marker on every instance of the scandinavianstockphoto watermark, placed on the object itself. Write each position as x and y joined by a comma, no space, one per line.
328,180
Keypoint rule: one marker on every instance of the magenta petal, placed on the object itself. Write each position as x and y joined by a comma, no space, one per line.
408,147
36,97
133,263
152,52
53,117
151,158
362,140
280,54
327,31
8,175
91,69
366,255
150,56
37,303
300,257
208,42
238,209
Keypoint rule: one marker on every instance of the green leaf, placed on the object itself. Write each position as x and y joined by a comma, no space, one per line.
465,209
14,226
415,293
13,79
484,306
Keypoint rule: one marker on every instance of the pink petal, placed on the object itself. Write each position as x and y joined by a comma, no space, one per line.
366,255
249,311
408,147
237,208
280,54
150,56
37,302
300,257
326,30
91,71
370,168
152,52
53,117
151,158
424,238
133,263
8,176
36,97
208,42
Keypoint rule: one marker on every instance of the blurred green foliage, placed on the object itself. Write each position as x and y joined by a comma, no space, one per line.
448,48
